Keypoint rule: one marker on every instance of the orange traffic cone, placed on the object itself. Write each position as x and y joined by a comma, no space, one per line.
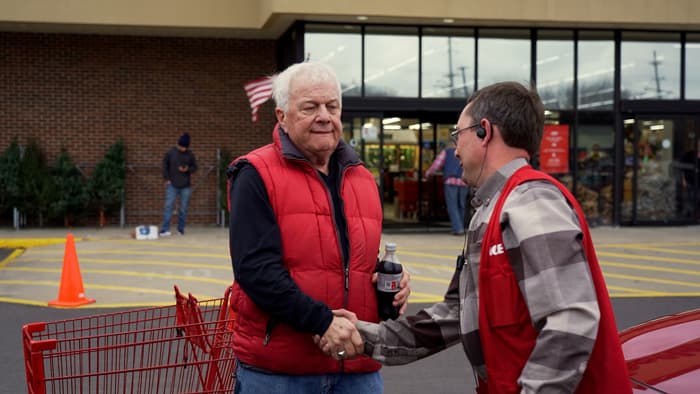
71,293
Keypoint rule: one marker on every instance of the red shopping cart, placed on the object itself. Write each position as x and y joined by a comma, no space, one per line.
182,348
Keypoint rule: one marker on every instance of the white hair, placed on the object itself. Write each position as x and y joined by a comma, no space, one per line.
310,71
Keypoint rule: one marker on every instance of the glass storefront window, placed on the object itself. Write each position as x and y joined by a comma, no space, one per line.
596,70
352,134
594,169
504,55
555,68
391,61
447,62
339,46
692,64
650,66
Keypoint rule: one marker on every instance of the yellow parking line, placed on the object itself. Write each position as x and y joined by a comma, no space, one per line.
646,245
11,257
440,267
431,255
31,242
143,262
667,250
649,258
172,242
634,295
89,286
430,279
23,301
95,305
138,253
651,280
425,300
655,294
650,268
128,273
627,289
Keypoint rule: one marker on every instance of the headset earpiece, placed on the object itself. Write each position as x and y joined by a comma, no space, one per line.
480,132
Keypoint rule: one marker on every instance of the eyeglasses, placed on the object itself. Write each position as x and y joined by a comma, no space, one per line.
454,134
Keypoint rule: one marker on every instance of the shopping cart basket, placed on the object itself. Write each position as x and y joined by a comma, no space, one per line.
182,348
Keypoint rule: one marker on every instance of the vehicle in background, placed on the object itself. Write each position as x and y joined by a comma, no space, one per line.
663,355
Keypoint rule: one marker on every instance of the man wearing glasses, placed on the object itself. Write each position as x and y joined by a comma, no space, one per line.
528,300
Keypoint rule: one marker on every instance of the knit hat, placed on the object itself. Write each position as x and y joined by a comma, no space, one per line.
184,140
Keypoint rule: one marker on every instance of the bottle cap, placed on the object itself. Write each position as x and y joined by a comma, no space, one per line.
390,247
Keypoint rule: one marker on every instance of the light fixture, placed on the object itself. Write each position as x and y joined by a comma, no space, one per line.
424,125
629,121
362,18
390,120
448,20
392,127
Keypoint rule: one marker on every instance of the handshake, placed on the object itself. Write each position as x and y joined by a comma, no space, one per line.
341,340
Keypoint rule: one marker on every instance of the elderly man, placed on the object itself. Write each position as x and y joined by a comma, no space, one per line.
305,229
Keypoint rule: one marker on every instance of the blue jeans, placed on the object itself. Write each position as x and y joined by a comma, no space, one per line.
456,202
171,193
249,381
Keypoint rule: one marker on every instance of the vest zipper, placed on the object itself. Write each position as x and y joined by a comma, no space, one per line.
346,263
268,330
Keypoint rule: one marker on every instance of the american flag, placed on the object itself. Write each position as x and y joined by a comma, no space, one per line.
258,91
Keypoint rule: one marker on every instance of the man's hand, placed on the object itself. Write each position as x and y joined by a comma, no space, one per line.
183,168
341,340
401,298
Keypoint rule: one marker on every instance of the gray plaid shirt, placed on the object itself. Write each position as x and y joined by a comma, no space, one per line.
542,236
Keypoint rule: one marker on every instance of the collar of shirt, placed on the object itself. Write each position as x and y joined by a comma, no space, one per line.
493,185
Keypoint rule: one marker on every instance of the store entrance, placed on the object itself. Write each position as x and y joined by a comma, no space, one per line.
398,148
660,171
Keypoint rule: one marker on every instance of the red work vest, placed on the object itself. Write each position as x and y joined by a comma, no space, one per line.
506,330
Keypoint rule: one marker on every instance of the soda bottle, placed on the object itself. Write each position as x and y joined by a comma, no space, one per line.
389,272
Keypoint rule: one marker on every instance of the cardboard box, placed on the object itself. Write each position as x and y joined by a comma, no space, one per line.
146,232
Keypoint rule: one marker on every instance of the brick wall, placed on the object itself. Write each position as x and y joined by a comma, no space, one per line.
83,92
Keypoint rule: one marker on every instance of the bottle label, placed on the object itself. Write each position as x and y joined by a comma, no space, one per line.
388,283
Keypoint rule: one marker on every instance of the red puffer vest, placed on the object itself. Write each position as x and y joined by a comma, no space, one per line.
507,333
312,254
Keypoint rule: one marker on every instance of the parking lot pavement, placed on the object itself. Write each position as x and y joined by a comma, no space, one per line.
649,272
119,271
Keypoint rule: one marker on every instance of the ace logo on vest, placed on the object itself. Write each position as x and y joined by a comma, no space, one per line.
496,249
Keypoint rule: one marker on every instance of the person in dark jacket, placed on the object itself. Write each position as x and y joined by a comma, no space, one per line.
305,229
178,165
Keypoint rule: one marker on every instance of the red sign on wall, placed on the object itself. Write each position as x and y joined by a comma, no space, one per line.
554,150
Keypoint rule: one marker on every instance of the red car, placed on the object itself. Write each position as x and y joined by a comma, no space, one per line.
663,355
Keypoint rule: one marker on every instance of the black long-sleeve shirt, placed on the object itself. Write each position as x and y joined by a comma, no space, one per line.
256,252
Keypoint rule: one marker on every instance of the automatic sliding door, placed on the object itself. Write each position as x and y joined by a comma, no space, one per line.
400,139
654,188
